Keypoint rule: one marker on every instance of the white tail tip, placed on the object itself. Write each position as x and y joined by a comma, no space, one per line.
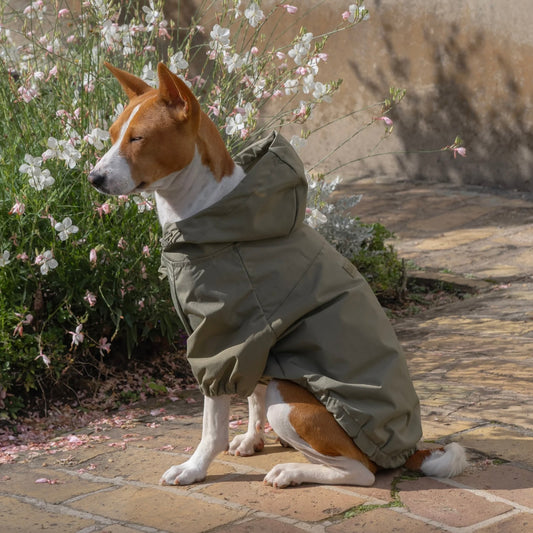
448,463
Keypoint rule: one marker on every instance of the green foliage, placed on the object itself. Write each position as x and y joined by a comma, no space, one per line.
79,271
378,262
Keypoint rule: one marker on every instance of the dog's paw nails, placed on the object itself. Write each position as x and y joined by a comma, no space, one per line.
283,475
245,445
184,474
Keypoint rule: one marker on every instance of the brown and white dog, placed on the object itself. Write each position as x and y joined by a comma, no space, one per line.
185,181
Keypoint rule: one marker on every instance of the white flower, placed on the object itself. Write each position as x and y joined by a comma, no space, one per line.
312,64
47,262
88,81
90,298
315,218
178,62
233,62
118,111
4,258
77,336
320,92
298,142
236,6
35,8
301,49
70,155
42,180
46,359
151,15
128,46
18,208
96,137
259,87
291,87
148,75
104,345
31,166
254,14
308,83
356,13
28,93
143,202
54,149
110,33
66,228
234,124
101,6
220,38
64,150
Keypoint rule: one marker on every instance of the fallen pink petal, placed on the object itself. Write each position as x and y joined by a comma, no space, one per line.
48,481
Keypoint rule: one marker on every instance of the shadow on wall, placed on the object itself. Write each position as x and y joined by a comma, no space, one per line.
461,81
466,72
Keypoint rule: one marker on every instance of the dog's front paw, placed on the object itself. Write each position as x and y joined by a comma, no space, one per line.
246,444
284,475
183,474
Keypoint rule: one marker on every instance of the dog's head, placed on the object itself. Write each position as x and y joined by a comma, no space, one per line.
154,137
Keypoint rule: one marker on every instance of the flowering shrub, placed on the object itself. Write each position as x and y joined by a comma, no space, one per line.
79,271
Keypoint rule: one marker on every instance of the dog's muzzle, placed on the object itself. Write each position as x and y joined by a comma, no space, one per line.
97,180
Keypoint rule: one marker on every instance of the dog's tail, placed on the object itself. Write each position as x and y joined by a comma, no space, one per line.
449,461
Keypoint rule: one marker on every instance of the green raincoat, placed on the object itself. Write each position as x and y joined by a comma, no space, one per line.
262,295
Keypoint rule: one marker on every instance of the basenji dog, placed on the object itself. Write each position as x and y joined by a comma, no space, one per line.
165,144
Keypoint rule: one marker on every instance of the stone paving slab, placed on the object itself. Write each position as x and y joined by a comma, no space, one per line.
382,520
443,504
471,232
472,365
17,516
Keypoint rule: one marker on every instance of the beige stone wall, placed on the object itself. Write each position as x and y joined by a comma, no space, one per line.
467,66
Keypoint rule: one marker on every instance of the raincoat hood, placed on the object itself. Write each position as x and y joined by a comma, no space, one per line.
275,183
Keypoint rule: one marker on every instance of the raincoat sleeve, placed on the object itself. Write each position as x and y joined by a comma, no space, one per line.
230,337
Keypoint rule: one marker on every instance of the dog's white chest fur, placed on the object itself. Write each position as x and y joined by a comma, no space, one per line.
187,192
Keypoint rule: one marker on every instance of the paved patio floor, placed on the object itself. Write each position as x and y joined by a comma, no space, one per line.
472,364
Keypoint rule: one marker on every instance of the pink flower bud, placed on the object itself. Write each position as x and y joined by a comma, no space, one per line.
18,208
388,122
290,9
461,150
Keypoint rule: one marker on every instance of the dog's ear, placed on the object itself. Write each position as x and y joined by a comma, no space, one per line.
174,91
132,85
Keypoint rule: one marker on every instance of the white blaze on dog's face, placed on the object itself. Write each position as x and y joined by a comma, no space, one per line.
153,138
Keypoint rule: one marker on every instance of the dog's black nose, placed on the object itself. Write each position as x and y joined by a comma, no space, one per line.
97,180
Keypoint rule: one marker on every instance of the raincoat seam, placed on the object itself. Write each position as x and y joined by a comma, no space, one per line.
300,279
294,193
252,286
196,260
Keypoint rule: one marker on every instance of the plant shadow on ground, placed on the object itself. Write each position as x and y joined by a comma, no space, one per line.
423,294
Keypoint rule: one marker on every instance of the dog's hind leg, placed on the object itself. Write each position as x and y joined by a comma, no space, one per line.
254,439
301,420
214,440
